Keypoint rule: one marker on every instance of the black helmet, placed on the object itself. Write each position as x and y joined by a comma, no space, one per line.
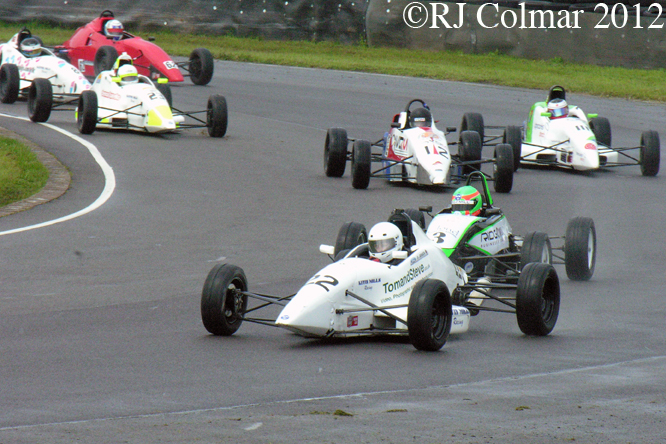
420,117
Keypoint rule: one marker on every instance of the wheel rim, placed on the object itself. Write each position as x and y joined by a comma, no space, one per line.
547,308
545,255
233,303
590,249
439,318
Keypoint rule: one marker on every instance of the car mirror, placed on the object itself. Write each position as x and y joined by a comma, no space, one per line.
546,114
426,208
592,116
400,254
327,249
395,124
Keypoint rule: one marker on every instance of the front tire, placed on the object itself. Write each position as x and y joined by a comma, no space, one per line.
361,161
165,89
105,57
514,137
536,248
201,66
473,122
429,315
350,235
335,152
222,303
469,150
601,128
503,168
580,249
40,100
10,82
537,299
217,116
86,112
650,153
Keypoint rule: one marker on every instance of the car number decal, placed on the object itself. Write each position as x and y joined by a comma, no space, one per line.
169,64
323,281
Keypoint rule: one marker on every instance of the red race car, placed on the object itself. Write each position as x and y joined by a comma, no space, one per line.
95,47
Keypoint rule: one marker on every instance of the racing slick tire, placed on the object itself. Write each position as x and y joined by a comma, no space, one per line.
537,299
350,235
86,112
201,66
514,137
580,248
10,82
360,164
335,152
469,150
217,116
416,216
40,100
429,315
166,92
601,128
649,153
105,57
536,248
222,303
503,168
473,122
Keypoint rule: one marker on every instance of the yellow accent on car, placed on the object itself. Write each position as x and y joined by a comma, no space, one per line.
158,115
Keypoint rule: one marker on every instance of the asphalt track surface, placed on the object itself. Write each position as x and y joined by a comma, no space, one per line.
100,331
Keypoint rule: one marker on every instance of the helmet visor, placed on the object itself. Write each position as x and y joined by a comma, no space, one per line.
381,245
560,112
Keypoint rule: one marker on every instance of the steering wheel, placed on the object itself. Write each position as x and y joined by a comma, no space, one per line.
107,13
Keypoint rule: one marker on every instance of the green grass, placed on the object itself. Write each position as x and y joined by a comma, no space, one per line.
21,173
498,69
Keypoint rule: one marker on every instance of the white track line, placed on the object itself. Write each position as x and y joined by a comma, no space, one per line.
109,181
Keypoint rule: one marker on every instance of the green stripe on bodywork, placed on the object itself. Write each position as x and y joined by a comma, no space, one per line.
448,251
530,121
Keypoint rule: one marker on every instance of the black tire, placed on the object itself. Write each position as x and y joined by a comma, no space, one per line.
222,304
350,235
650,153
165,89
537,299
105,57
514,137
40,100
429,315
473,122
536,248
360,164
86,112
335,152
217,117
580,249
601,128
201,66
417,216
503,168
10,83
469,150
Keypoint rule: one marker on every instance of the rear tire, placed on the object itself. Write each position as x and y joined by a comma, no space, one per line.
537,299
469,150
10,82
473,122
335,152
536,248
417,216
222,304
350,235
514,137
217,116
40,100
360,164
86,112
429,315
601,128
650,153
201,66
580,249
503,168
105,57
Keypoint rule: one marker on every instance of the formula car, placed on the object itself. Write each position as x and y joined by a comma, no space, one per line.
485,247
577,141
414,150
418,293
123,99
93,52
45,80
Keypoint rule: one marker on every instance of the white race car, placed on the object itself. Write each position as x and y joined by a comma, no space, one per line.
42,77
416,151
576,140
419,293
123,99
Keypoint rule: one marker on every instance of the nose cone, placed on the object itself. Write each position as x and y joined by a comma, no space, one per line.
589,157
309,313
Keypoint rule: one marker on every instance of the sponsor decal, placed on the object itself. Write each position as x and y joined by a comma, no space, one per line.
352,321
369,281
417,258
412,273
590,146
491,235
170,65
457,321
110,95
323,281
284,317
469,267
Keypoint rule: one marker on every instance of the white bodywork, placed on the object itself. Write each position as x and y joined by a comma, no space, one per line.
65,78
138,106
567,141
447,230
425,152
316,310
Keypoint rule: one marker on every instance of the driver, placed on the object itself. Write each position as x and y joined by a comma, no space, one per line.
128,74
384,238
113,29
420,118
558,108
466,201
30,47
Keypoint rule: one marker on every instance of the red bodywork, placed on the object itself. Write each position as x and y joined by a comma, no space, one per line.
149,59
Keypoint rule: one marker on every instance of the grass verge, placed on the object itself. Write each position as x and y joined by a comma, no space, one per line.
498,69
21,173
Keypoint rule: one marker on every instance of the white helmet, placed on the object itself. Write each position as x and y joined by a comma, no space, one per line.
30,47
558,108
383,239
114,29
128,74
